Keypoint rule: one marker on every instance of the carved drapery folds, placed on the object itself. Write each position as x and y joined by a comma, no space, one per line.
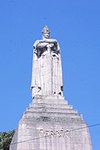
47,68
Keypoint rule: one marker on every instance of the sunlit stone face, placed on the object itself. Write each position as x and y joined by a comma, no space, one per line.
46,35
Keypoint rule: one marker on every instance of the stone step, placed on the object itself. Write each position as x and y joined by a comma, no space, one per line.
51,109
50,100
50,105
50,114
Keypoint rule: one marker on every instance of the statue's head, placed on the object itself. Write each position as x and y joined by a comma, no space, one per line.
45,33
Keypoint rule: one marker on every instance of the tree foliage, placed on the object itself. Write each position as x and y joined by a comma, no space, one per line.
5,139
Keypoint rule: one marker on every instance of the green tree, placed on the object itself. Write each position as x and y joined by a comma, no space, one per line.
5,139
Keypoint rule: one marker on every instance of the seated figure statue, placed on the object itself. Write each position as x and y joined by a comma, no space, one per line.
47,69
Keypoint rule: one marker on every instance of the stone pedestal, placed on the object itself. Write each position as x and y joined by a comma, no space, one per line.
49,123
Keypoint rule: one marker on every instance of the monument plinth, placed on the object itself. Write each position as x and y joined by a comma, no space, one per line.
49,123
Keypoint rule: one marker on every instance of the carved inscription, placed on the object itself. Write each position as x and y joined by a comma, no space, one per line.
61,133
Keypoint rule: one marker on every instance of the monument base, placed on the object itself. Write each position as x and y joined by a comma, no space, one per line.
49,123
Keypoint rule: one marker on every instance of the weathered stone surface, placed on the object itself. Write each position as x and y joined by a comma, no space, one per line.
47,68
49,123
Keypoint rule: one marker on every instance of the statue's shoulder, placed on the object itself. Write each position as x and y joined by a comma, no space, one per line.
37,42
44,41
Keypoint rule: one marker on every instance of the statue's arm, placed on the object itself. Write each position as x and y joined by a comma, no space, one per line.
39,44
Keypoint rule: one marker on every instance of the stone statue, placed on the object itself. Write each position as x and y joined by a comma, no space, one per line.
47,68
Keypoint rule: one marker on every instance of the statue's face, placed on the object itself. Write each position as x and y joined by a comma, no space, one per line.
46,35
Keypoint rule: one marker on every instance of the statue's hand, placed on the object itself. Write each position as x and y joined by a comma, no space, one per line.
50,45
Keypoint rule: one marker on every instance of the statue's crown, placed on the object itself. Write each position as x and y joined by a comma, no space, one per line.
45,30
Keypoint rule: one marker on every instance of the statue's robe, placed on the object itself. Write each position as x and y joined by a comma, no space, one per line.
47,68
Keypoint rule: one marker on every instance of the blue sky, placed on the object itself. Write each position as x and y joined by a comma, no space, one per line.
76,26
